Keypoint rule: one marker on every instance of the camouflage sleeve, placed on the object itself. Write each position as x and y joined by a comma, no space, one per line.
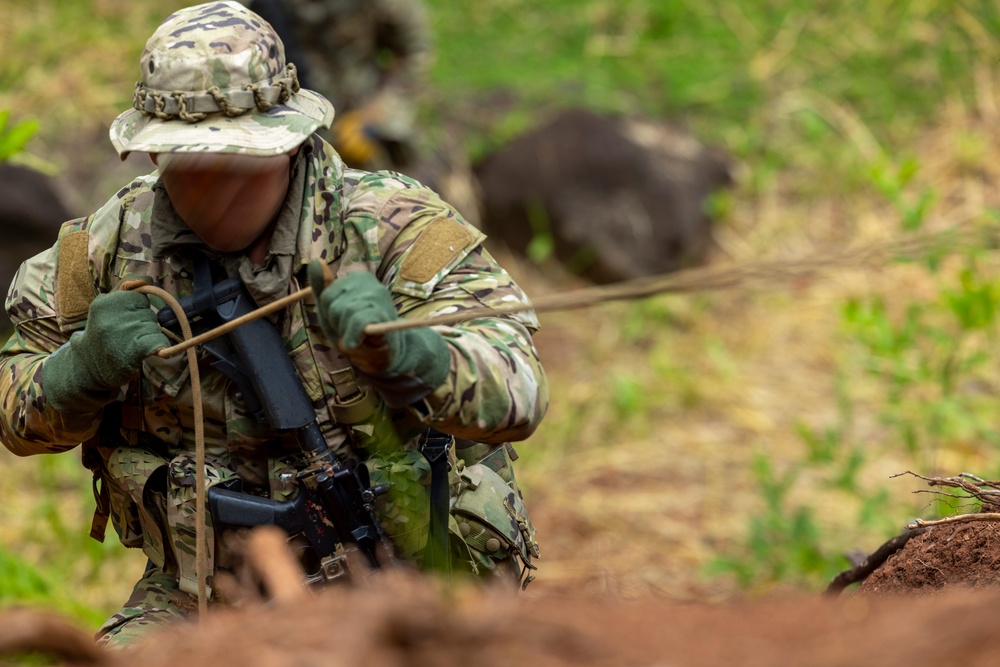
28,425
43,322
435,263
497,390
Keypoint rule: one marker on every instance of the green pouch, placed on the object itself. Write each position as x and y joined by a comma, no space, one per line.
404,509
491,517
488,520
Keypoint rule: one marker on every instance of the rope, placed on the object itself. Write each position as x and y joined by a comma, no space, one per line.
201,554
193,106
190,341
692,280
223,329
705,279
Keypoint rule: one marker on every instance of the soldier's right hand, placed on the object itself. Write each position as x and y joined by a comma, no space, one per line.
85,374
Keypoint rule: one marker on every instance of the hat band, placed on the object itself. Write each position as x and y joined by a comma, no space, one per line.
192,107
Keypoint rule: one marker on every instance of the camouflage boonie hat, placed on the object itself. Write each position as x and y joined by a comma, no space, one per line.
214,80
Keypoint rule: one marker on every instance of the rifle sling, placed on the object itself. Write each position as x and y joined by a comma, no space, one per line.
435,449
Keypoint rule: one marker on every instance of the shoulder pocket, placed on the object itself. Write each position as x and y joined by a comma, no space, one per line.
74,286
435,252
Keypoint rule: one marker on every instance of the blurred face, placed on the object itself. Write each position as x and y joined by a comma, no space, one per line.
229,201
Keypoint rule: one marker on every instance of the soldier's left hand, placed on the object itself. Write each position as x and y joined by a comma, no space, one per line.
349,304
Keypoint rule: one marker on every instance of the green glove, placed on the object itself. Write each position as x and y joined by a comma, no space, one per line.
85,374
351,303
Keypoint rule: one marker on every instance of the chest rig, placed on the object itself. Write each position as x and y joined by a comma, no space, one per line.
217,300
333,507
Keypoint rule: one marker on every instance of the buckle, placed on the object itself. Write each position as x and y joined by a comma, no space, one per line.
435,445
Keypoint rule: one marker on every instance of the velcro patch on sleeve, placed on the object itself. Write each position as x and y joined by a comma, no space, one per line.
435,248
75,288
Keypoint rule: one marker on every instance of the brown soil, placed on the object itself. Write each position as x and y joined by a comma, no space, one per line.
408,623
415,622
412,626
950,555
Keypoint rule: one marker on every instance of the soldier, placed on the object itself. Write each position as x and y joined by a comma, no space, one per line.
370,59
246,187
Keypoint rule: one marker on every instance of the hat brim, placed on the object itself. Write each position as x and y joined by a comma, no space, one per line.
273,132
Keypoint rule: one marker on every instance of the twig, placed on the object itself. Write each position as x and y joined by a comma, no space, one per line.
958,518
983,490
872,563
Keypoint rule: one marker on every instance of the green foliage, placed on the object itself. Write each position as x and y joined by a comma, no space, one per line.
14,136
892,182
23,584
69,554
787,543
779,83
628,395
19,581
542,243
783,542
932,359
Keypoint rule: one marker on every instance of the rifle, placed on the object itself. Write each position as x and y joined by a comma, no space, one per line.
333,509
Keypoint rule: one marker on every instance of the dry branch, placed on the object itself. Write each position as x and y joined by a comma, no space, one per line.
872,562
958,518
984,490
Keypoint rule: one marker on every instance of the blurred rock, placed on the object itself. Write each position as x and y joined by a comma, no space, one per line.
620,198
31,210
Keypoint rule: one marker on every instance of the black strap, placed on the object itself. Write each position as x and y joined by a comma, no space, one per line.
437,555
102,497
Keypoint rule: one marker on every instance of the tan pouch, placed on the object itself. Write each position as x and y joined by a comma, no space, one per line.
130,471
181,512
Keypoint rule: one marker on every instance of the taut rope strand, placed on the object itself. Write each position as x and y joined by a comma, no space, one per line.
201,555
699,280
692,280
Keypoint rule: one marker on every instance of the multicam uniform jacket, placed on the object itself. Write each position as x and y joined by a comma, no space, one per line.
432,261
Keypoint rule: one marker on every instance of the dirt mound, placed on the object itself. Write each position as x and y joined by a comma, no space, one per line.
959,554
412,623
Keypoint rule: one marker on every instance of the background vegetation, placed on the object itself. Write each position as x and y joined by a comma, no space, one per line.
698,447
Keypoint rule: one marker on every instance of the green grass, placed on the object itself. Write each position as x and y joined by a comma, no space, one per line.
771,80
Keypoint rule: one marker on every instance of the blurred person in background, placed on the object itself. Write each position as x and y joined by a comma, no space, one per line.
370,59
